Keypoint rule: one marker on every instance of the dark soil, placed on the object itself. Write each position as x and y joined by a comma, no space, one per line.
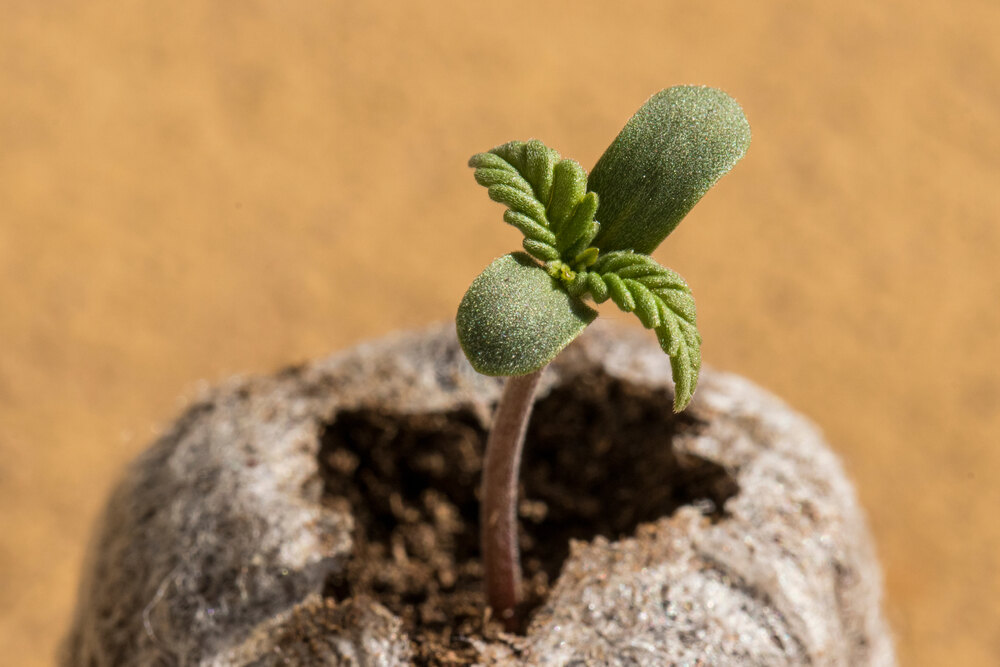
598,460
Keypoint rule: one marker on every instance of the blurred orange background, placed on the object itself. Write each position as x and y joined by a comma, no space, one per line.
191,190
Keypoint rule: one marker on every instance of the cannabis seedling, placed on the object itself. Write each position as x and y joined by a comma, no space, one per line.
524,309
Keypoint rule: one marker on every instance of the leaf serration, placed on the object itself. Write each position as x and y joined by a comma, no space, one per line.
545,194
662,301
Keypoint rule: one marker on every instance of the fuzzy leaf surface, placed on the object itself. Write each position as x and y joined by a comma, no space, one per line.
675,147
514,318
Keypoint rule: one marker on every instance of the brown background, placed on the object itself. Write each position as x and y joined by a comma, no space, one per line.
190,190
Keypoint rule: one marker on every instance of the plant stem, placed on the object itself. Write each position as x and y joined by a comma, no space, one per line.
498,517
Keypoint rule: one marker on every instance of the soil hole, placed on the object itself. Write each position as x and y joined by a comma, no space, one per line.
598,460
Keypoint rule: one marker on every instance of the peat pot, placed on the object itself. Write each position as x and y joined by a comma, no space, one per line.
328,515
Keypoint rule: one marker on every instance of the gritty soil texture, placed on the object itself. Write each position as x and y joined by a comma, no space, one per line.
598,460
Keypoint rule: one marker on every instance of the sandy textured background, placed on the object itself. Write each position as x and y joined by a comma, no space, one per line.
190,190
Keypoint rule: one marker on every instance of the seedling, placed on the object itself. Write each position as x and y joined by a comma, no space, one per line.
525,308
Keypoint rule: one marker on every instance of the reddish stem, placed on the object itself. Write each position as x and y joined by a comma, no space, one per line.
498,518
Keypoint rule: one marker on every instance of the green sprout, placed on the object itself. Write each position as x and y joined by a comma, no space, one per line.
525,308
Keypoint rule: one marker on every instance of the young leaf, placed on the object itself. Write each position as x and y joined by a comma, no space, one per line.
660,299
515,318
668,155
546,196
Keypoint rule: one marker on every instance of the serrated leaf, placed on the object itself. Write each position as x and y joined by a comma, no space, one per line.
668,155
547,194
661,300
514,318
